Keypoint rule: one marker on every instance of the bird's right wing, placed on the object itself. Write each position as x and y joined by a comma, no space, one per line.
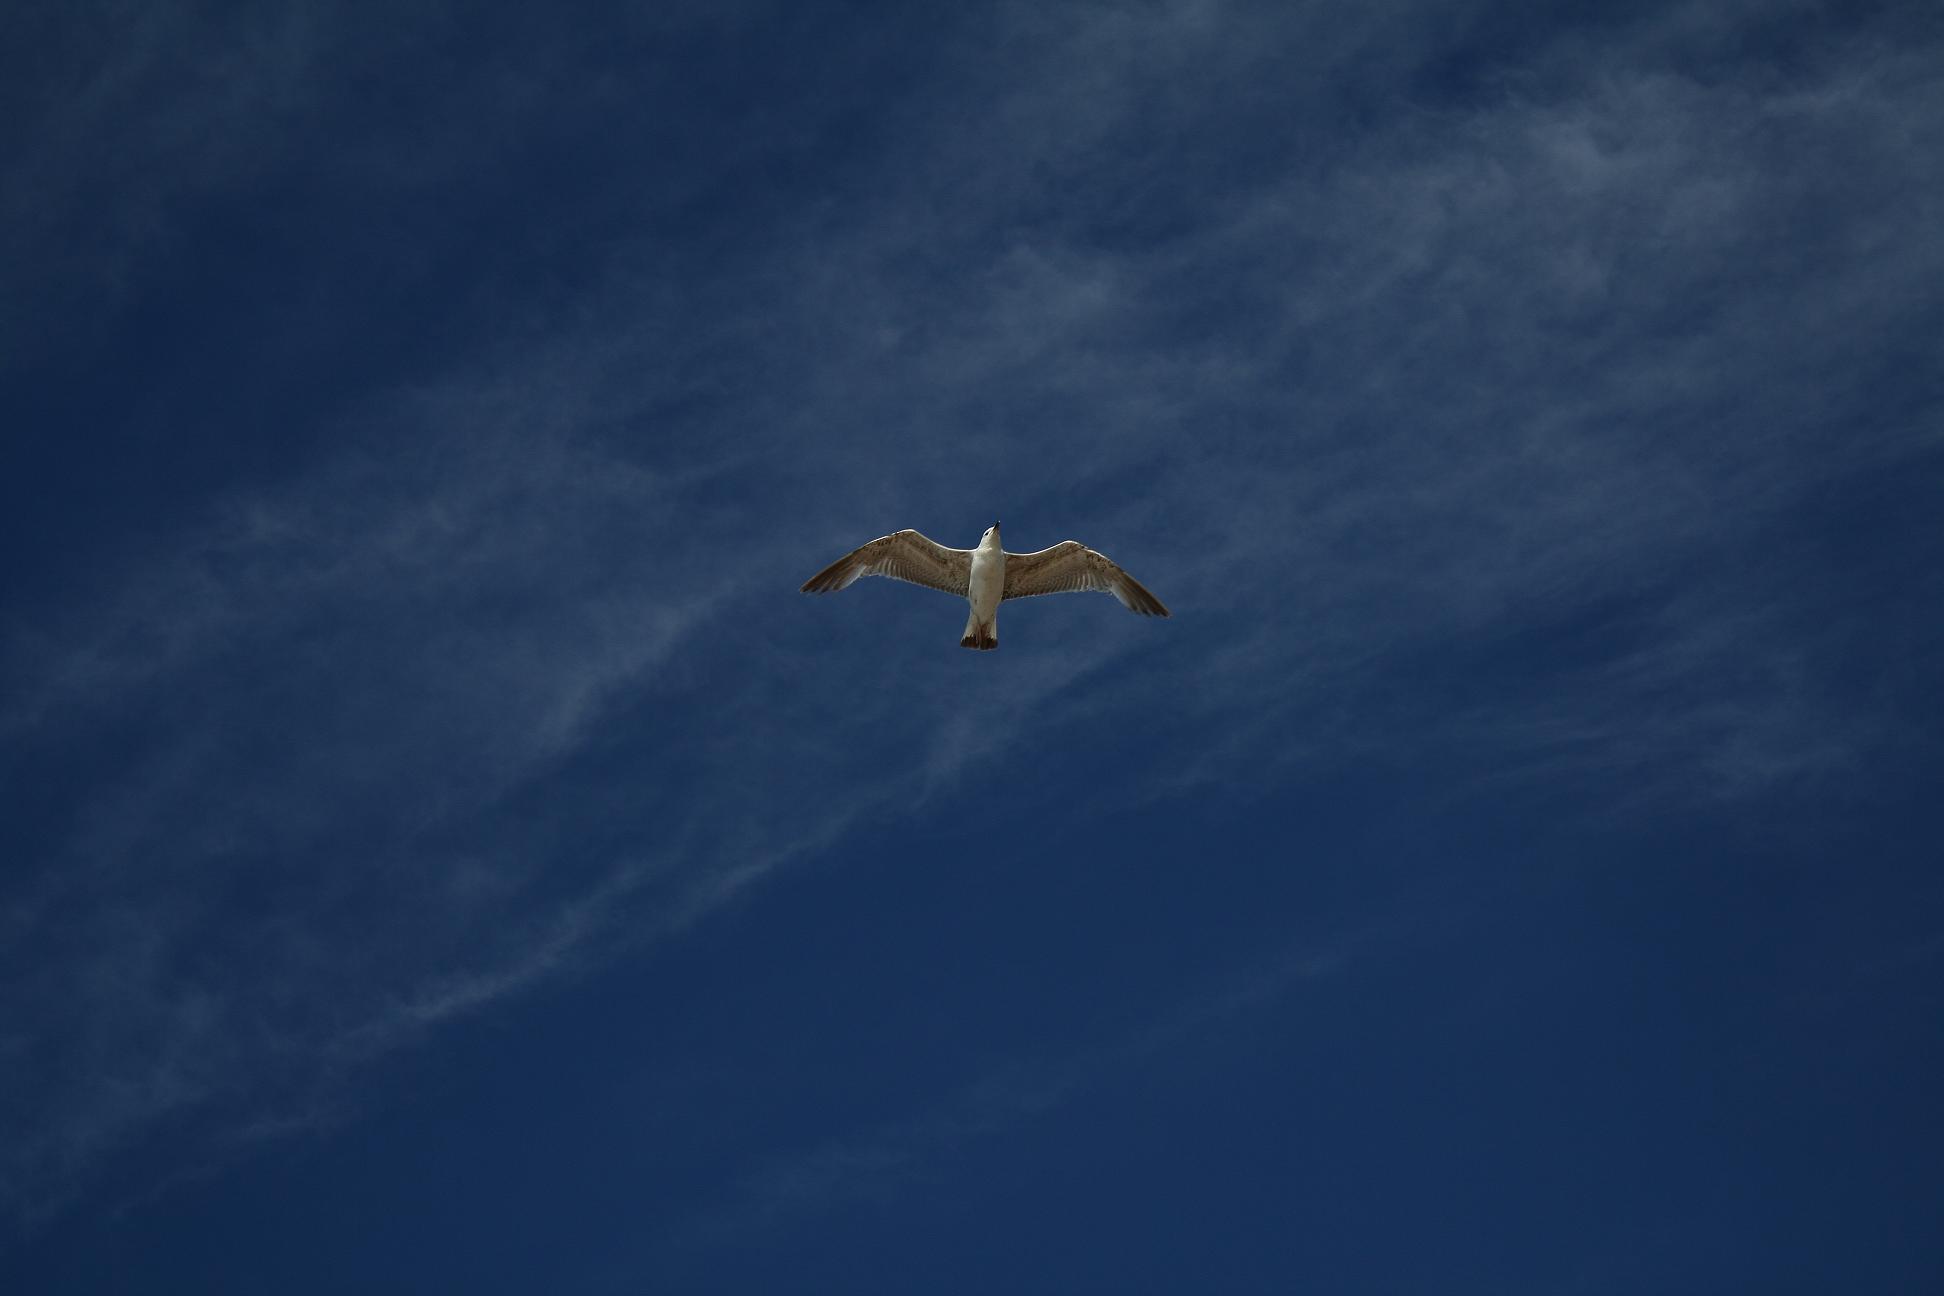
1070,566
905,556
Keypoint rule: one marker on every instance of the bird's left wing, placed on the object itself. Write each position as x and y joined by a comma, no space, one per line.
1070,566
903,555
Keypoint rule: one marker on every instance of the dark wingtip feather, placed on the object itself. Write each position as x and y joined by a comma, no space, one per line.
1141,601
830,578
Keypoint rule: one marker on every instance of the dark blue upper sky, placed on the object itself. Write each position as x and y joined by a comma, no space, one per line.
442,851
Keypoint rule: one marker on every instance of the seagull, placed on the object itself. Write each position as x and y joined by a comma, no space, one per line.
986,575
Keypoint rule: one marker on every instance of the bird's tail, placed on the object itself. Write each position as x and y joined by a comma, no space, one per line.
981,635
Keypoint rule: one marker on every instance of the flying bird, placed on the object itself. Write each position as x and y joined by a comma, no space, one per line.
986,575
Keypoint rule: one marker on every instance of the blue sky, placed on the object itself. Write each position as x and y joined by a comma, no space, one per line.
443,851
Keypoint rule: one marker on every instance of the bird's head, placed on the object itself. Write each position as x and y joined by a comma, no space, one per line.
991,536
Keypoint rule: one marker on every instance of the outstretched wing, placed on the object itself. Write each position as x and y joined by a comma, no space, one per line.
905,556
1070,566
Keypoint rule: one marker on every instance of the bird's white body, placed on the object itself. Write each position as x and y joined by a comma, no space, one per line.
986,587
986,576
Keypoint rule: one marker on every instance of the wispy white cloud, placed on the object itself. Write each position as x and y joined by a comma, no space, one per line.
1365,408
115,127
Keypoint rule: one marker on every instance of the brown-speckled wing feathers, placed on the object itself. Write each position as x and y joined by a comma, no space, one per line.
1071,567
903,555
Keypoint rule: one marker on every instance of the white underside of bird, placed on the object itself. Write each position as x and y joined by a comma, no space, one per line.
986,576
